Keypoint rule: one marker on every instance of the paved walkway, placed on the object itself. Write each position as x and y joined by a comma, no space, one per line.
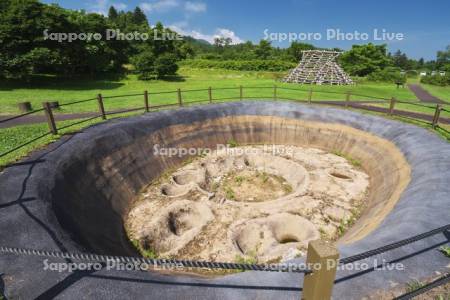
423,95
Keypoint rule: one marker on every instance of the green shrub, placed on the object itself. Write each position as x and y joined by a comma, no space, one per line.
166,64
144,64
436,80
387,75
240,65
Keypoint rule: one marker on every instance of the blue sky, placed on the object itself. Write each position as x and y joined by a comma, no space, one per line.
425,25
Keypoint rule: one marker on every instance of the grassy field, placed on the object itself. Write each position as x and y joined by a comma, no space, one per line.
64,91
256,85
442,92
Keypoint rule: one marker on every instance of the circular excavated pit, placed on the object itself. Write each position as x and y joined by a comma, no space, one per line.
263,202
112,179
76,196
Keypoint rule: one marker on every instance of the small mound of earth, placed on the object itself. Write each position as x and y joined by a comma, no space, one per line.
254,202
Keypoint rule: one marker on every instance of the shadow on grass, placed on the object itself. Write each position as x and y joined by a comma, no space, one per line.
103,82
173,78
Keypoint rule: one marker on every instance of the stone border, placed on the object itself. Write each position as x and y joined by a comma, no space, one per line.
26,220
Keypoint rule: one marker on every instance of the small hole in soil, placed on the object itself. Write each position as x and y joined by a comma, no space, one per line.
246,162
339,175
288,239
164,191
172,222
177,180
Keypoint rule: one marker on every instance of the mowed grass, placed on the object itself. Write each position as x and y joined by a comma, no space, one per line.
36,136
192,82
50,89
442,92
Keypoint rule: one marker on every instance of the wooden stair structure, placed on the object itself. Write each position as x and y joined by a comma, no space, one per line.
318,67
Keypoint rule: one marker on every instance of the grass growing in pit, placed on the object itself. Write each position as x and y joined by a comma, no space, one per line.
445,250
413,285
252,185
351,160
149,253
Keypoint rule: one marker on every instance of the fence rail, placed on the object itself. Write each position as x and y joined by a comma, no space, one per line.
274,93
318,281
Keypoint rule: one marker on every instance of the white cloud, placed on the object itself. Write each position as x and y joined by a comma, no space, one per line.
227,33
181,28
102,6
159,6
195,7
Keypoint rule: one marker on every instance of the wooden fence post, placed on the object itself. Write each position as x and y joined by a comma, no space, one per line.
275,92
24,107
310,95
210,95
241,93
391,106
50,119
101,108
437,114
147,106
322,258
180,100
347,99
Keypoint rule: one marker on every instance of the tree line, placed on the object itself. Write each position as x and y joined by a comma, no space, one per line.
26,51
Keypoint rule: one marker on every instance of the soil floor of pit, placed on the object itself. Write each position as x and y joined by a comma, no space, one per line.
253,203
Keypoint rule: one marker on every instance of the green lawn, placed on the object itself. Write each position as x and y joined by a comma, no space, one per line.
256,85
442,92
64,91
37,135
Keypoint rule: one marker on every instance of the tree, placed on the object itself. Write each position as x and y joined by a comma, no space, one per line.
145,64
112,13
264,49
296,48
166,64
139,17
363,60
400,60
443,58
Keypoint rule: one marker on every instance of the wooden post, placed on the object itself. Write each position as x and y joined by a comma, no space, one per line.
391,106
322,258
24,106
241,93
50,119
180,100
310,95
347,99
275,92
147,106
210,95
101,108
437,114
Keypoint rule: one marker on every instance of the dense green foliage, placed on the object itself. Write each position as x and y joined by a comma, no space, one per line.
436,80
363,60
389,74
241,65
28,46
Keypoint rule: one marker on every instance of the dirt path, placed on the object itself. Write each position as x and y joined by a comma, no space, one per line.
34,119
423,95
